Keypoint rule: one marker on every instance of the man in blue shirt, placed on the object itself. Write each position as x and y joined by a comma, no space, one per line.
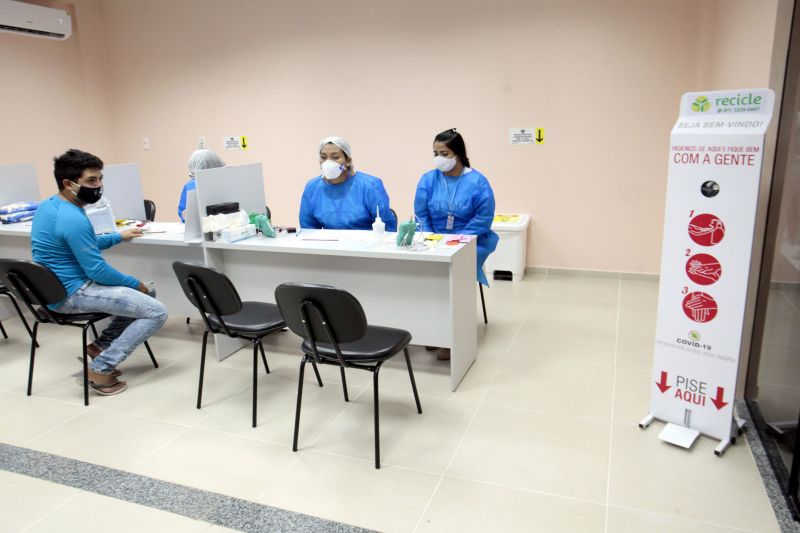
64,241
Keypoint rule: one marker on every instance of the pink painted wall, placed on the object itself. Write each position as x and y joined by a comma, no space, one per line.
602,78
54,95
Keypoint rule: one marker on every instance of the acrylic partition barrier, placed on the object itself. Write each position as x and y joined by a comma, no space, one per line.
122,186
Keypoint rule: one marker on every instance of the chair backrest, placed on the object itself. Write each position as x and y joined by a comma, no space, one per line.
149,210
34,284
339,309
209,290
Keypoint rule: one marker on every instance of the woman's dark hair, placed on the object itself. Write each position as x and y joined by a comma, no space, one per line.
71,164
454,141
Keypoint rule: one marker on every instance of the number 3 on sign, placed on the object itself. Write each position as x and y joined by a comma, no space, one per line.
685,290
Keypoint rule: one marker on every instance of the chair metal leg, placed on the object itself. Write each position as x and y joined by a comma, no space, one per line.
3,331
21,317
377,416
94,332
483,303
316,372
263,355
344,384
255,380
413,382
202,368
33,354
150,353
299,402
85,363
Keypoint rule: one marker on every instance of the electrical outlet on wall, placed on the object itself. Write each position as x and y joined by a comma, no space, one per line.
201,142
146,143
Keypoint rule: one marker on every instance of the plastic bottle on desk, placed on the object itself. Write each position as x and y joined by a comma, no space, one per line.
378,227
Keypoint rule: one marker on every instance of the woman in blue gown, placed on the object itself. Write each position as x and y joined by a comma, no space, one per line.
199,160
455,198
342,197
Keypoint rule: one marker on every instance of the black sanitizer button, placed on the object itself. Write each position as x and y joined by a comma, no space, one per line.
710,189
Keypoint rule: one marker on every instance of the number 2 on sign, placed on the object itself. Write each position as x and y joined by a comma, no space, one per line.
688,252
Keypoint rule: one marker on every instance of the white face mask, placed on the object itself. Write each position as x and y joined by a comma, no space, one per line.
331,169
444,164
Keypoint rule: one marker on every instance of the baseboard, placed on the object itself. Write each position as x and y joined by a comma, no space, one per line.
578,272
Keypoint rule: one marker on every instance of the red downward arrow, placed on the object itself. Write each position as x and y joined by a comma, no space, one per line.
718,400
663,385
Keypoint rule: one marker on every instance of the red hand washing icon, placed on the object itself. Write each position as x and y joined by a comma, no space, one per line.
700,307
706,230
703,269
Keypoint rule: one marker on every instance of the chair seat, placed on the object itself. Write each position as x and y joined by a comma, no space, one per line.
379,343
71,318
255,318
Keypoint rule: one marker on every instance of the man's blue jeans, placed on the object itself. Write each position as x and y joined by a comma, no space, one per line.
136,316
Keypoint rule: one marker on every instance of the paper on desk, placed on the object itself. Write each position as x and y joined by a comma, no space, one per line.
336,235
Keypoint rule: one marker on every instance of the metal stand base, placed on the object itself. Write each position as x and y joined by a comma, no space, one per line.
679,435
737,428
685,437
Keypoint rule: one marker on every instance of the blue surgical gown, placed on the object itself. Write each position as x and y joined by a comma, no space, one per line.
189,186
472,202
351,204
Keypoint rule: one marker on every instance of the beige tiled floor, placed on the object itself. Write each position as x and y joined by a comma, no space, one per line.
541,435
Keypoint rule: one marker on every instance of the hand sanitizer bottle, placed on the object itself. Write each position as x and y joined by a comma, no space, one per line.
378,227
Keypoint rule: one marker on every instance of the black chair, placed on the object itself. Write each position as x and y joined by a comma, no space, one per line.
149,210
5,292
38,287
224,313
335,332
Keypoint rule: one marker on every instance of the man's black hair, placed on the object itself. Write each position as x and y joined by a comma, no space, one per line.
71,164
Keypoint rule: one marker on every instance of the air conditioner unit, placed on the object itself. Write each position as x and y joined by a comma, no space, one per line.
37,21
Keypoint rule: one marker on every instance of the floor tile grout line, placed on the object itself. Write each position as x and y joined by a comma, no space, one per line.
51,512
26,443
613,401
791,303
333,420
277,478
157,449
475,414
527,490
546,412
681,518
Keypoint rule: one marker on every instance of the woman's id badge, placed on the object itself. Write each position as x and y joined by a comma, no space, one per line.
450,221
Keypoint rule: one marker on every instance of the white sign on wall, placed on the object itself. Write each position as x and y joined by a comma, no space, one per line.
522,136
716,151
235,142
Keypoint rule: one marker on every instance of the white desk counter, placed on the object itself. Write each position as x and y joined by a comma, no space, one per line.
148,258
430,293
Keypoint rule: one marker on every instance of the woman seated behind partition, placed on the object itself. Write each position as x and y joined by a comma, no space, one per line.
199,160
342,197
